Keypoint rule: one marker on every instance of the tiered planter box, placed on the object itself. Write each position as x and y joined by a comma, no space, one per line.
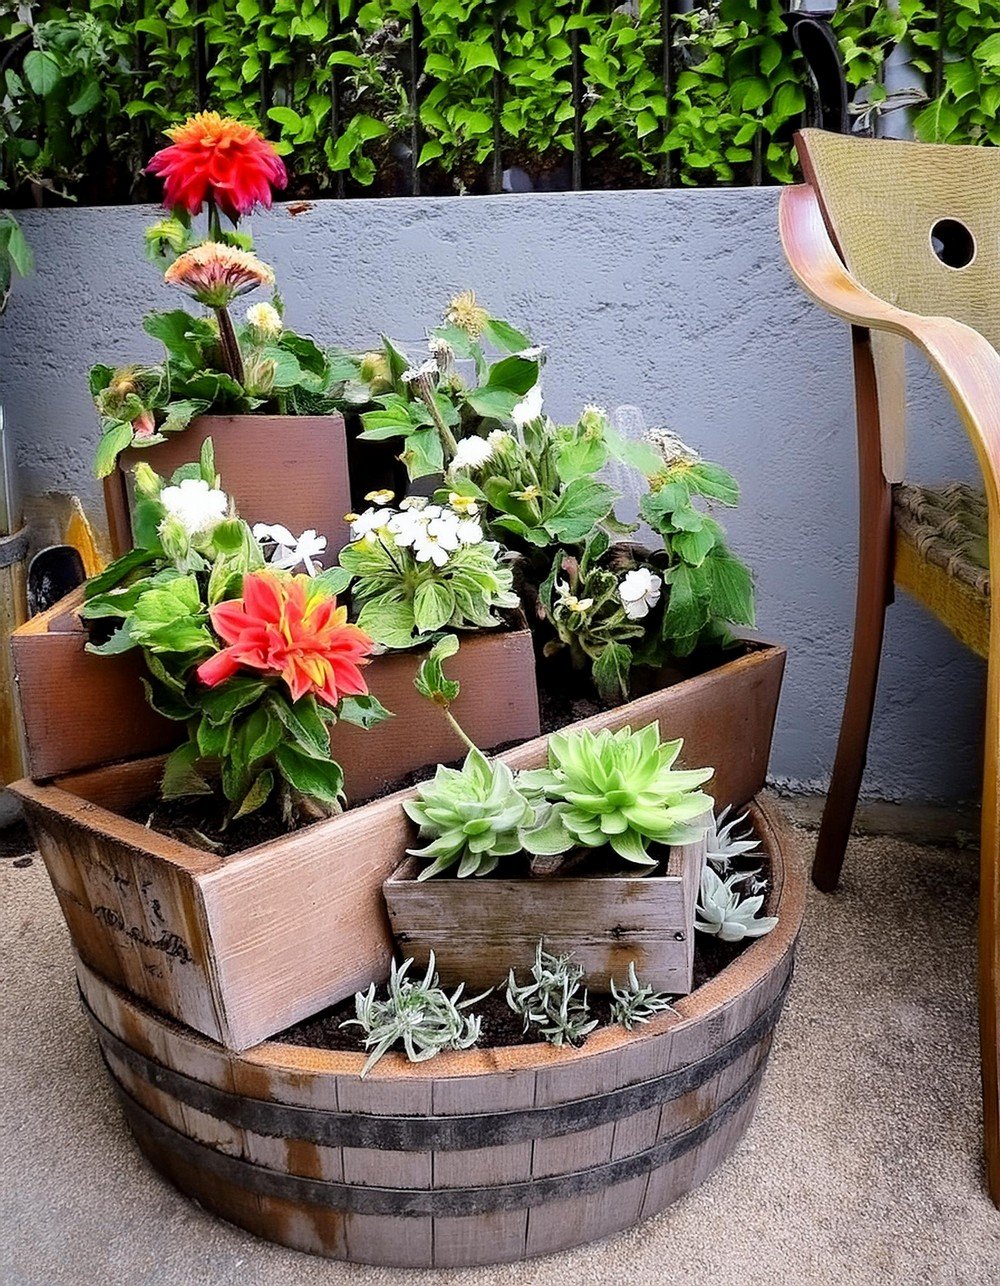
240,948
81,711
288,469
480,1157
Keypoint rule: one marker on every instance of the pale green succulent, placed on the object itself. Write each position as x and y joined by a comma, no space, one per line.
635,1002
472,816
618,789
553,1003
724,843
727,914
419,1015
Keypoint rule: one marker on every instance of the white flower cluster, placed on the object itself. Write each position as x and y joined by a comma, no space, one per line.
639,591
431,532
196,506
289,551
473,452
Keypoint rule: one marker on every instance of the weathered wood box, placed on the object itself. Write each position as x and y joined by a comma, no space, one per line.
81,710
478,929
241,948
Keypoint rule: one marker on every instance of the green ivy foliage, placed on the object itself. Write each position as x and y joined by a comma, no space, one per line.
87,87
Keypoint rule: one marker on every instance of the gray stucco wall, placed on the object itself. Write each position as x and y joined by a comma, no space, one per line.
679,302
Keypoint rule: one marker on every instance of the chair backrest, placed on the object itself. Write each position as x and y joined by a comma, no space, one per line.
917,224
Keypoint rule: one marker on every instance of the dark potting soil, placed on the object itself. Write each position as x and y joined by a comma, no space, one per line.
16,843
500,1025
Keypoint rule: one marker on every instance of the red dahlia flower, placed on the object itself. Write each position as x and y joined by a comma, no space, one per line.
221,159
284,626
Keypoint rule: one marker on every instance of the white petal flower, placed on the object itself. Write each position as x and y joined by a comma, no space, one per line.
464,505
471,453
367,525
291,550
265,319
639,590
407,526
198,507
529,408
470,532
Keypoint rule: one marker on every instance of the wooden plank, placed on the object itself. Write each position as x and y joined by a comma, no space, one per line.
479,927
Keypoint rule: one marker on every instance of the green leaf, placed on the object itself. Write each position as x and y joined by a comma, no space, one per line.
116,572
363,711
221,703
120,641
580,507
493,403
430,679
257,795
179,775
506,337
433,606
333,581
286,117
476,54
714,483
516,374
318,779
611,672
42,71
303,721
389,623
87,99
117,436
731,587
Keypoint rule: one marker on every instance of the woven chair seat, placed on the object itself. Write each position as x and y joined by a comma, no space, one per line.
942,556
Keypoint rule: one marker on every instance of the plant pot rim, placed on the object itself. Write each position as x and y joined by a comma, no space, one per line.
751,969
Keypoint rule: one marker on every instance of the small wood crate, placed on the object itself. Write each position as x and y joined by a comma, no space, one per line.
478,929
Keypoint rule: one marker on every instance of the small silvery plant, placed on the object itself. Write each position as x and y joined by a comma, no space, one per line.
724,912
420,1016
552,1004
724,843
634,1003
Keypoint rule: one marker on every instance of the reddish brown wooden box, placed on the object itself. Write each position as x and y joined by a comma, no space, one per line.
288,469
82,710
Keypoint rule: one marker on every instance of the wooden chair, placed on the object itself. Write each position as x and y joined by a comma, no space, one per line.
902,240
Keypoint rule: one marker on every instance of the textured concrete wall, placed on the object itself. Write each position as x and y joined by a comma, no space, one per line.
679,302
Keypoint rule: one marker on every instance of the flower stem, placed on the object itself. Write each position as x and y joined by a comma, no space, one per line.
232,358
458,729
444,433
214,223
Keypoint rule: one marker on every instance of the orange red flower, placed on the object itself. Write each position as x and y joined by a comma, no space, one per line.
282,626
220,159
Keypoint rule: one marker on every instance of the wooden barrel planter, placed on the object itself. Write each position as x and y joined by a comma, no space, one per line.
471,1158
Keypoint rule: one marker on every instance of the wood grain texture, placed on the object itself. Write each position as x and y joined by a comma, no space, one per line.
81,710
12,613
288,469
969,367
269,936
444,1199
479,929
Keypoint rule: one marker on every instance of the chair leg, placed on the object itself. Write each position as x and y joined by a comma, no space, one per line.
989,932
873,594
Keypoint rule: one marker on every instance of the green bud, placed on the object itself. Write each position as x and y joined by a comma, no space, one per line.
148,483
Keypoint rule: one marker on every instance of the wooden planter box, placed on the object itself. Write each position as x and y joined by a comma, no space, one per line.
478,1157
288,469
478,929
81,710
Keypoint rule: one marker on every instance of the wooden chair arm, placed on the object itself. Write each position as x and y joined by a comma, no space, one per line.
967,363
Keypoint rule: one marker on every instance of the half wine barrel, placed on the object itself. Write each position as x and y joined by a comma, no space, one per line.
479,1157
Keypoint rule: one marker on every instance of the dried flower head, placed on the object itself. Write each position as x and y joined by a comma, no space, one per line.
672,448
215,273
217,158
467,315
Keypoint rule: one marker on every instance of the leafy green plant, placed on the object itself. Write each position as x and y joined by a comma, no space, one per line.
258,715
617,790
15,255
419,1016
634,1003
709,587
724,912
553,1004
425,568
